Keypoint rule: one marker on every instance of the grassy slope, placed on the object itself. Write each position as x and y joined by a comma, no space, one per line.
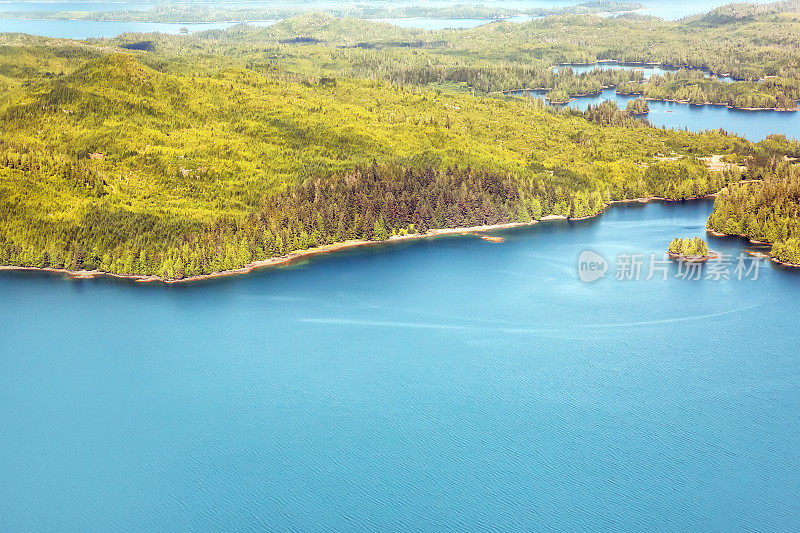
504,56
185,152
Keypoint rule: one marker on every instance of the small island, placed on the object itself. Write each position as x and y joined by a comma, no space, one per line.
638,106
559,96
687,249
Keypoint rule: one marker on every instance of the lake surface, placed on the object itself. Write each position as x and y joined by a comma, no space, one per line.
752,125
81,29
78,29
444,23
647,70
445,384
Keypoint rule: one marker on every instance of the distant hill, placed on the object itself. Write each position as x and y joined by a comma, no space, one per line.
745,12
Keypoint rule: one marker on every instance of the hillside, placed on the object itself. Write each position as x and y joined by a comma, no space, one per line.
767,210
505,56
118,166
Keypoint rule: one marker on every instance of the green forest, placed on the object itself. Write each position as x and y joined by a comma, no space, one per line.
692,248
177,156
117,166
638,106
766,210
759,52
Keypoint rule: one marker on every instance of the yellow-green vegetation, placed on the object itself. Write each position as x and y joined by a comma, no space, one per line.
559,96
690,248
507,56
142,163
766,210
694,87
638,106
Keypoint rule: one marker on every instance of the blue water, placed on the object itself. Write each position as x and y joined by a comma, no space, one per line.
752,125
446,384
80,29
77,29
441,24
668,9
646,70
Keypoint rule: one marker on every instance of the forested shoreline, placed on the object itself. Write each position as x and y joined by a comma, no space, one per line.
768,210
506,56
126,169
692,249
174,157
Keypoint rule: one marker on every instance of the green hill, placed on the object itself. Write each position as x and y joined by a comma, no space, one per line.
135,168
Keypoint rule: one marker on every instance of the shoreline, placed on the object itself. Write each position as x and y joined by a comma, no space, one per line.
693,258
286,259
783,263
719,234
666,66
720,104
334,247
573,97
141,21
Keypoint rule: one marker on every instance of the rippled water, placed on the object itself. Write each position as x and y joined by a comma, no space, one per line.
452,383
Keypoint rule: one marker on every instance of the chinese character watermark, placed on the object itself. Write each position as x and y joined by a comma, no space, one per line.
635,267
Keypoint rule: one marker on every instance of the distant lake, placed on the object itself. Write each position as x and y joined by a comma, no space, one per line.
670,10
450,384
75,6
87,29
81,29
646,70
78,29
752,125
441,24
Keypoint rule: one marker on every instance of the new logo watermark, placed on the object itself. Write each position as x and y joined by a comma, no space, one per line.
636,267
591,266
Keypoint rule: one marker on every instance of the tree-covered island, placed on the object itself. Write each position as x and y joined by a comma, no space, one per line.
689,249
638,106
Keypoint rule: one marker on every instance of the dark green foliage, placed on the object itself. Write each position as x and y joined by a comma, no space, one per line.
609,114
765,211
208,153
